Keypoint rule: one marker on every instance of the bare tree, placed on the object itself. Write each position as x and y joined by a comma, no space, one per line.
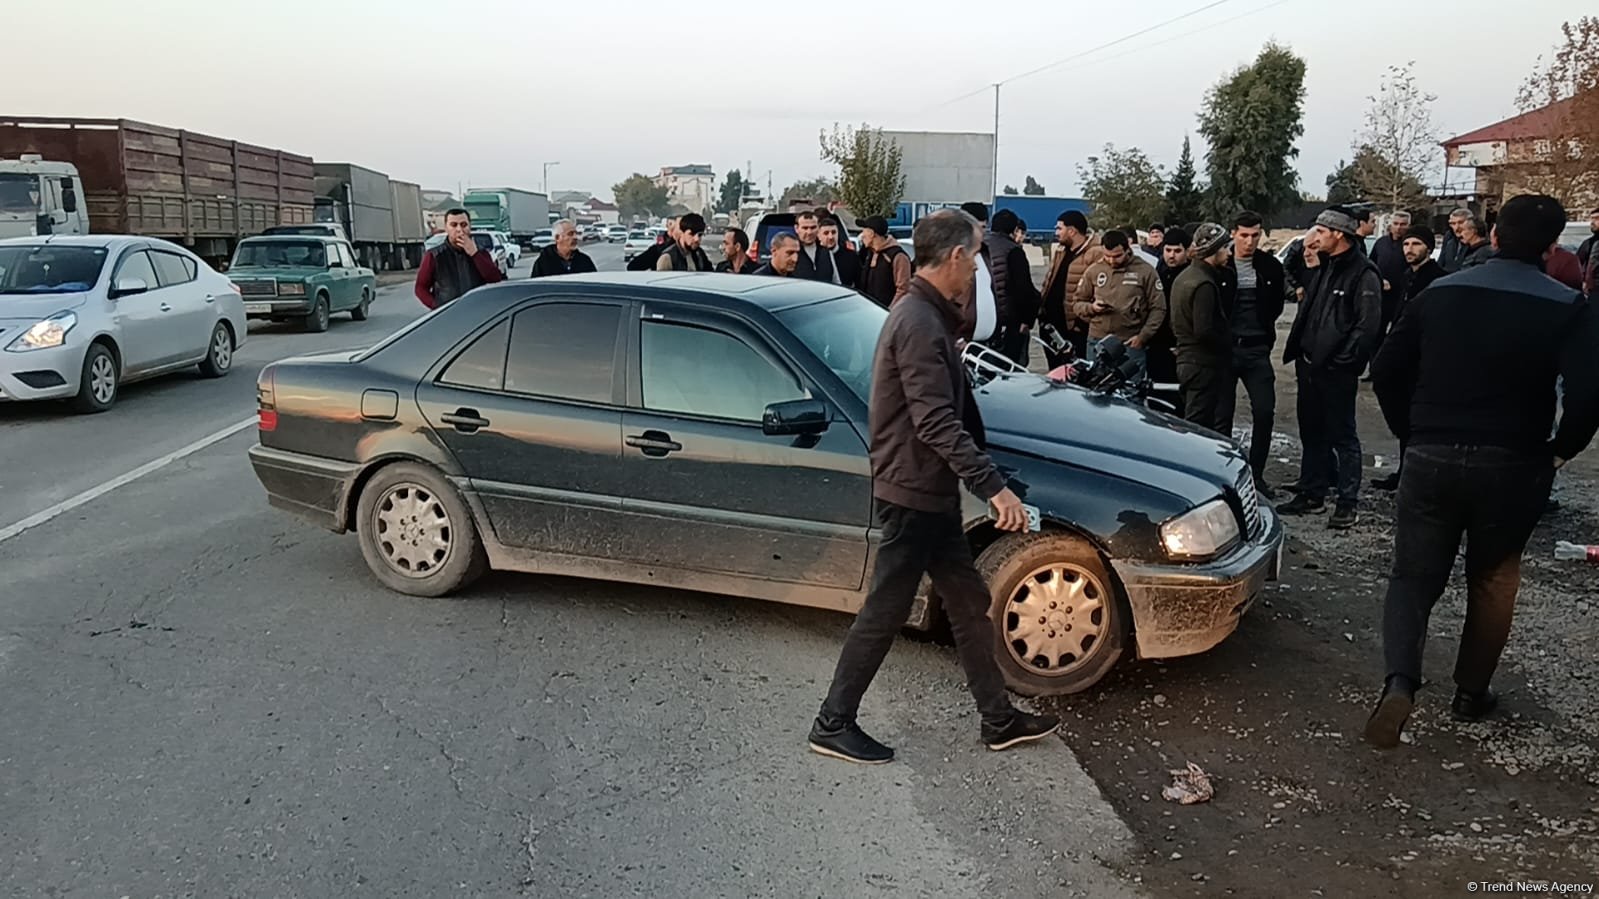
1398,144
1568,85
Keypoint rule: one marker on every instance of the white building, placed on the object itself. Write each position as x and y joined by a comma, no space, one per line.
690,186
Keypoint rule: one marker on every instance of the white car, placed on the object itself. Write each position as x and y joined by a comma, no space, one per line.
513,250
616,234
637,242
82,315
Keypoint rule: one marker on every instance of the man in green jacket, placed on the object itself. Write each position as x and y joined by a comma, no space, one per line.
1204,338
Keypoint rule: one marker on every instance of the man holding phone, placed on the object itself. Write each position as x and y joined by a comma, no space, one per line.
921,452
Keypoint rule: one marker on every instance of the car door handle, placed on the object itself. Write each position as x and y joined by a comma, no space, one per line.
464,420
210,299
654,443
165,308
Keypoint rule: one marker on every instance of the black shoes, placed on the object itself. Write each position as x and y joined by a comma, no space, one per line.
1263,489
1474,706
849,743
1023,728
1390,483
1304,504
1343,518
1387,721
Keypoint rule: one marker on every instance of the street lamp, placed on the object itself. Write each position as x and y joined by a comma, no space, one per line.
547,177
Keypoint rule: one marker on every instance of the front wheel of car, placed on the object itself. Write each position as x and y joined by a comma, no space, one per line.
219,357
97,383
316,321
1060,622
364,308
416,532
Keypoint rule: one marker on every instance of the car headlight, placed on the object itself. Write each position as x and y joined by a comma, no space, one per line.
52,332
291,289
1202,532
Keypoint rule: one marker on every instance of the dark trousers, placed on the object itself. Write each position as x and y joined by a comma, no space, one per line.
1013,343
1205,381
1494,497
1252,366
915,543
1331,455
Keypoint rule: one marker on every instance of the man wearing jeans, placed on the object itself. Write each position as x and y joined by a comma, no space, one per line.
1467,379
920,453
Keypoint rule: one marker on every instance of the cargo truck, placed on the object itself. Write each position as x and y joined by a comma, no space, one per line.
116,176
410,225
519,213
364,201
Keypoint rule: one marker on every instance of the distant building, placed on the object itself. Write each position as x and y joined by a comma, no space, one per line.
597,212
1509,156
691,186
560,199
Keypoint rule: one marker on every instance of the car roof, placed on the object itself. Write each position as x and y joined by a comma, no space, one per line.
104,241
724,291
297,238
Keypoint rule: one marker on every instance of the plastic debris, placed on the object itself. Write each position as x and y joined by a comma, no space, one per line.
1576,552
1189,786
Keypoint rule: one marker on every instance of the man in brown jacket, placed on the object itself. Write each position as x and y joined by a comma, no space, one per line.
1120,296
920,453
1077,253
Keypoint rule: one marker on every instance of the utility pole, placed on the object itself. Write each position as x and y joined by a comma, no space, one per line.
547,178
993,188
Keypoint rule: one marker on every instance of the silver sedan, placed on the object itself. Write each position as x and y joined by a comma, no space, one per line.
82,315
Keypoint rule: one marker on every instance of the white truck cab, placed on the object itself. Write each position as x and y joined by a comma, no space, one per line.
39,197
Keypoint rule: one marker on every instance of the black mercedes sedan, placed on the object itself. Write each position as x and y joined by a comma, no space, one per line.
707,432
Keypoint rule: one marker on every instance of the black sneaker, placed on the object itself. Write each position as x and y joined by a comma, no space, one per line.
1390,483
1264,490
1304,504
1474,706
849,743
1023,728
1387,721
1343,518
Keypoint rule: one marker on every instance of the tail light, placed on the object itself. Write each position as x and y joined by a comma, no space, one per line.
266,401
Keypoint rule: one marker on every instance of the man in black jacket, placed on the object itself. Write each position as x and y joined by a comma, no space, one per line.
1200,328
1588,254
650,258
455,266
1468,378
1016,300
1475,247
1333,337
563,257
1161,354
684,253
846,263
1389,255
784,262
735,253
1255,290
1419,275
886,268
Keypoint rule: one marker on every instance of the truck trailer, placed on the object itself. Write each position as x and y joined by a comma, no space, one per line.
117,176
518,213
364,201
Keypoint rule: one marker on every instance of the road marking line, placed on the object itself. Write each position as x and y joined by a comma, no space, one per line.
94,493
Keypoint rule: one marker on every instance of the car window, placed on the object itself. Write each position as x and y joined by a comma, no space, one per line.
171,268
698,371
482,364
137,265
564,351
346,256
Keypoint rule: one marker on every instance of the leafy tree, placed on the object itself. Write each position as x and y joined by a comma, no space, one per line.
1569,82
732,191
1398,143
818,190
639,195
870,181
1341,184
1185,200
1010,191
1250,121
1032,188
1123,186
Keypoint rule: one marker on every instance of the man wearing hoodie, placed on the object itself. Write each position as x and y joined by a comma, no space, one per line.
563,257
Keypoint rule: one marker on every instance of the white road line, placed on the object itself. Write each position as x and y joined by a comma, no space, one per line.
94,493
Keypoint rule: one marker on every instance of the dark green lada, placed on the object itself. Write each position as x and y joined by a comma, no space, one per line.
301,278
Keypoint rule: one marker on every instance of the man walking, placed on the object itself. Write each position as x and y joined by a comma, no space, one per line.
846,265
1255,293
1016,300
886,275
1120,295
1077,252
921,452
785,258
684,254
735,253
1333,337
563,257
1199,325
455,266
1479,461
1419,276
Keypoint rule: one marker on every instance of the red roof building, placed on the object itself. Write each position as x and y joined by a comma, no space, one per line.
1505,153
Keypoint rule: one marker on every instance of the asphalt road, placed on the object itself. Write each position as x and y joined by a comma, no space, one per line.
200,695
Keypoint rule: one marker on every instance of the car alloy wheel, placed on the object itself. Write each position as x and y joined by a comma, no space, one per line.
221,349
413,530
1055,617
103,379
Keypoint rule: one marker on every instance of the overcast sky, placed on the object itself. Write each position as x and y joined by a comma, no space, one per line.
485,92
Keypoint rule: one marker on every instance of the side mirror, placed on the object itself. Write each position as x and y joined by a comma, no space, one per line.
69,197
808,416
127,287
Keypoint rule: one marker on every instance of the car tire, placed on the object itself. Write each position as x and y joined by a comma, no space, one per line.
219,355
1052,650
99,382
316,321
416,533
363,309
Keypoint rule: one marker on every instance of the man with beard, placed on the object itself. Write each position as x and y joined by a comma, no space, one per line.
1077,252
1421,271
886,272
685,255
735,253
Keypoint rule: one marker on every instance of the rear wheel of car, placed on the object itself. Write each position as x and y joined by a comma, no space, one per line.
416,532
316,321
97,384
1060,622
219,357
362,310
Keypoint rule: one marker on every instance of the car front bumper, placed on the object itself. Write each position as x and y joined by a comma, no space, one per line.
276,307
314,488
1181,610
50,374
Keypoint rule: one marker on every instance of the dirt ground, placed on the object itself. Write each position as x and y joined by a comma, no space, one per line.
1302,806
